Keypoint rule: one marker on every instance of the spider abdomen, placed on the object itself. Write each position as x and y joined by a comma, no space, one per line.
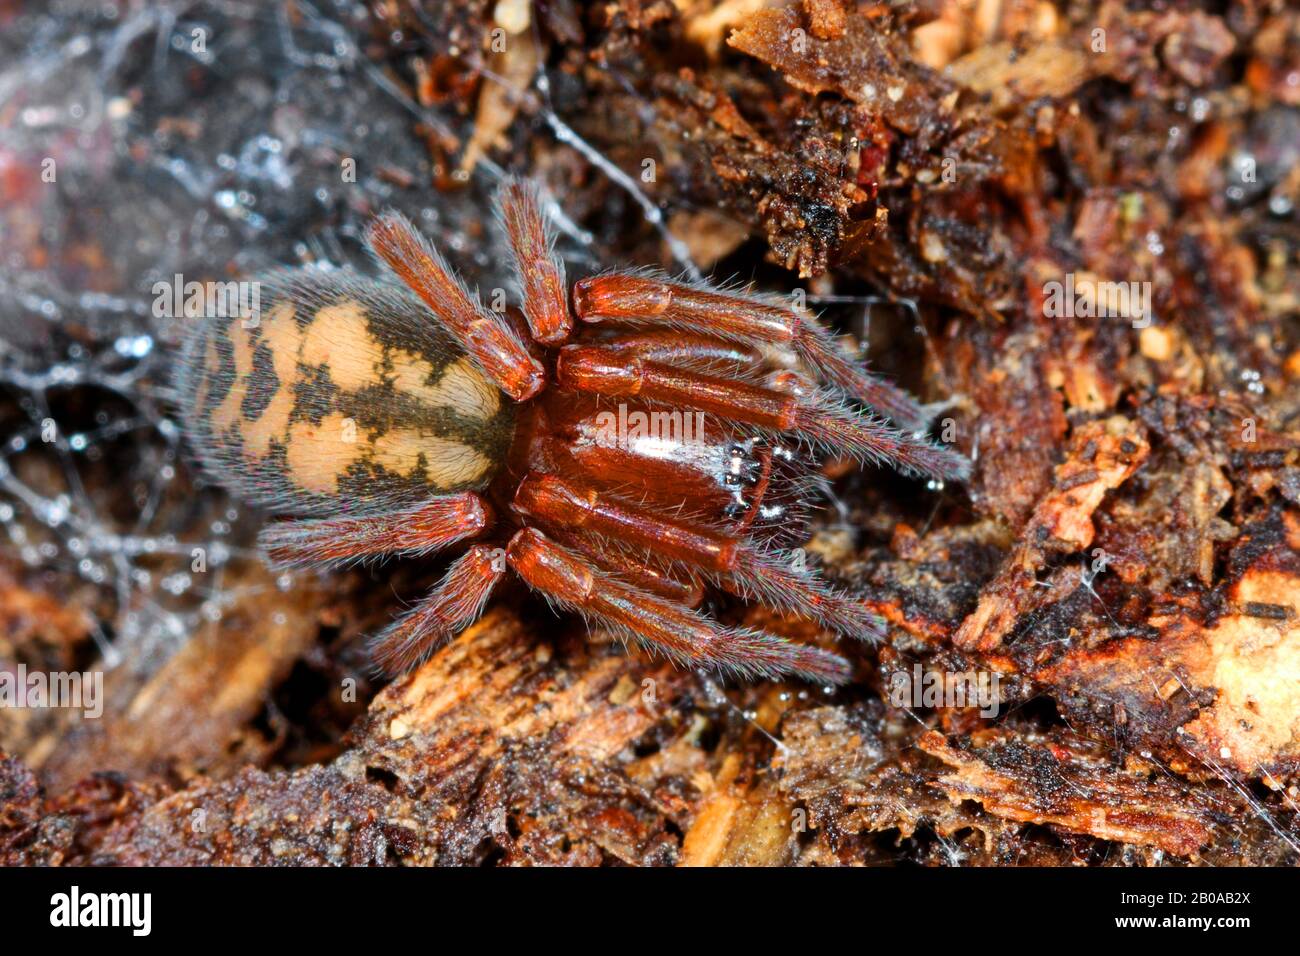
340,393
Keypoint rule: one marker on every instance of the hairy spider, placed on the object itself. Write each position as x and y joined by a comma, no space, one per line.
662,445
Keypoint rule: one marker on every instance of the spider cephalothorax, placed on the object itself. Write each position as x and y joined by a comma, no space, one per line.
618,467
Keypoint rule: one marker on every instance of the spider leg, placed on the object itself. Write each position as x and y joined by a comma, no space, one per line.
819,417
453,604
762,574
680,588
671,345
486,337
709,355
334,542
561,503
539,271
684,635
623,297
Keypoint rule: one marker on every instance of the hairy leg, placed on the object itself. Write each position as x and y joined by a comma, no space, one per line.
487,338
775,580
335,542
539,271
684,635
672,345
738,562
453,604
678,586
819,417
623,297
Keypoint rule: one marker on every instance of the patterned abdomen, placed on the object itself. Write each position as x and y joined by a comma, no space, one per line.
342,396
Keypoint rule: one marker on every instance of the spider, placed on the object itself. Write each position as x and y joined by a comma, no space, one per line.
620,465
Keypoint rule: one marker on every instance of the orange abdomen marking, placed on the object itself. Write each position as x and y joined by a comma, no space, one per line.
342,394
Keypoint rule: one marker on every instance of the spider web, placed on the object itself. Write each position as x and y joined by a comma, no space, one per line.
203,140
